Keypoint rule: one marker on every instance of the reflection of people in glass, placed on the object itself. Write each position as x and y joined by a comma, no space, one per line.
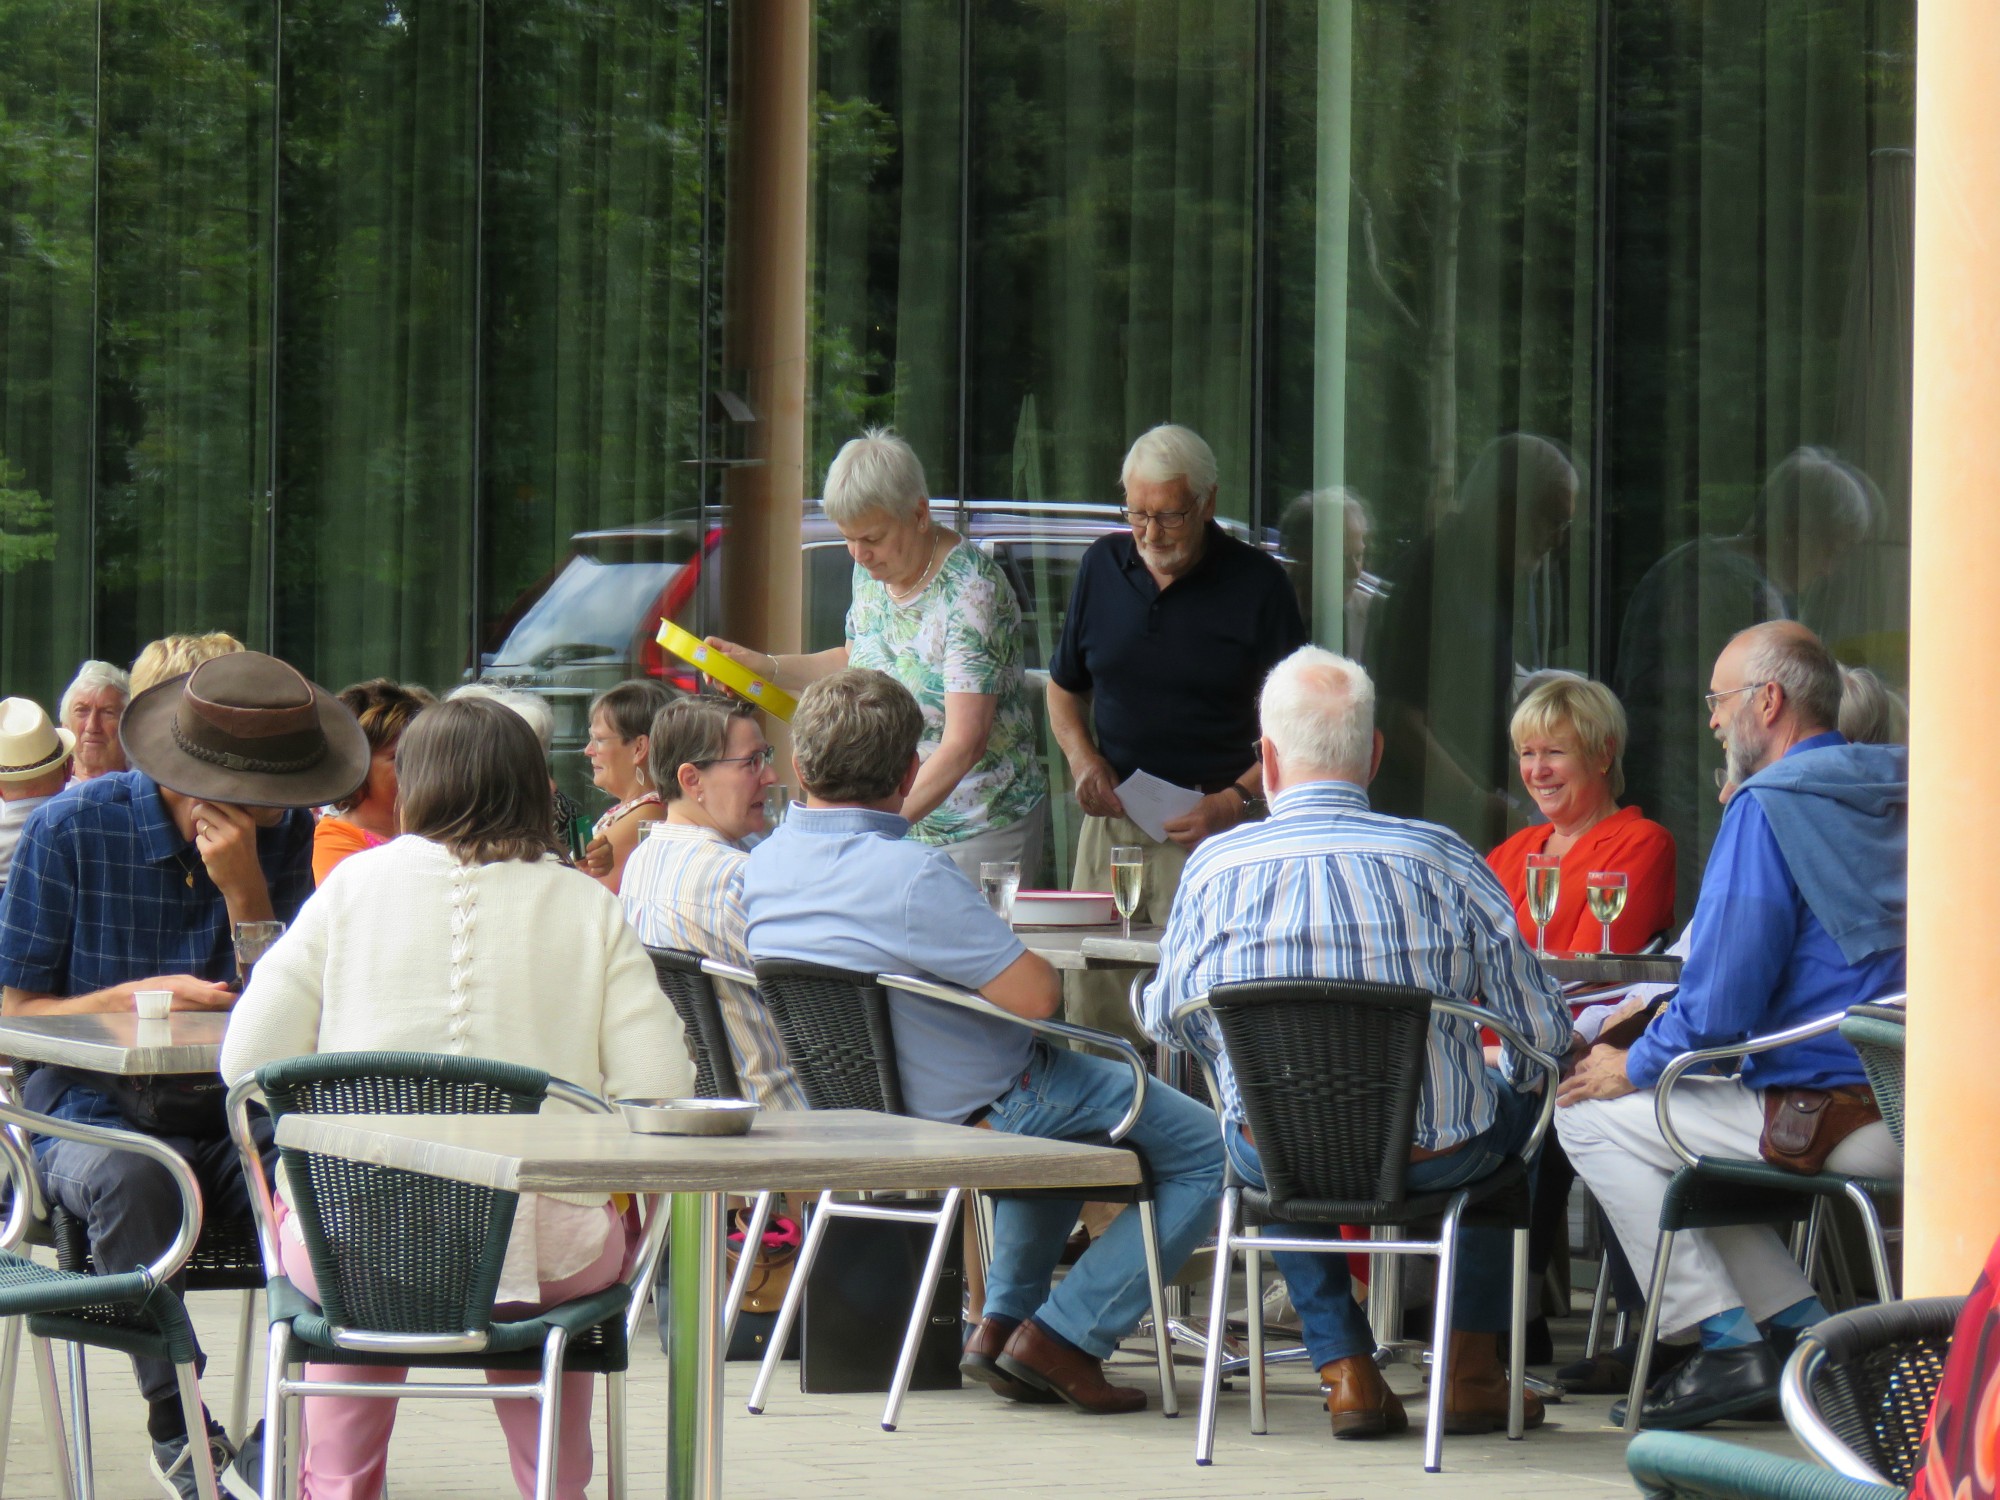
1872,712
1691,602
1468,614
1361,592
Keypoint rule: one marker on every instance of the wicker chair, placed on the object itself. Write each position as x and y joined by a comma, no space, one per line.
1857,1391
1717,1192
131,1312
389,1297
1330,1074
1876,1032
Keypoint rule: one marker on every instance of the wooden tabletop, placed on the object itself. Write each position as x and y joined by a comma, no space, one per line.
188,1041
786,1151
1093,947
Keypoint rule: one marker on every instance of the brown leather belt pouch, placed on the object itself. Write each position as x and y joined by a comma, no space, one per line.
1803,1126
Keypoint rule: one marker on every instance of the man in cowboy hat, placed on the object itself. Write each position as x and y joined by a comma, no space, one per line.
132,881
34,766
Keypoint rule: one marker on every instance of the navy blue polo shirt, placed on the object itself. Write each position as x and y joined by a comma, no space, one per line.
1174,673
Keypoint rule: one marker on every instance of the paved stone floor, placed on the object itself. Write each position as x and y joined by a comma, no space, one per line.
950,1443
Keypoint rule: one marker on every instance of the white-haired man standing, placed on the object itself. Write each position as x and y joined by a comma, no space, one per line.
91,708
1329,889
1171,626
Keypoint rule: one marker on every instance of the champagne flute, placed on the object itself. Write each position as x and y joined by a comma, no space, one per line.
1544,881
1128,872
1605,890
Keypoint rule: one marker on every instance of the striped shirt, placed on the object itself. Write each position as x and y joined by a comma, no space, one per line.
1327,889
683,888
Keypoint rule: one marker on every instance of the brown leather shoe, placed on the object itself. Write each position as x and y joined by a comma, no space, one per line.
987,1340
1035,1359
1359,1400
1475,1398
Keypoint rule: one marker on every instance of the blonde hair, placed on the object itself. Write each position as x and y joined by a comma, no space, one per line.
175,655
1585,711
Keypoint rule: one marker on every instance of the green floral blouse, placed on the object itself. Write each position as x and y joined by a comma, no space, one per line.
962,634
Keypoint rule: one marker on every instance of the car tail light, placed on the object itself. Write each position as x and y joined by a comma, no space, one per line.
652,658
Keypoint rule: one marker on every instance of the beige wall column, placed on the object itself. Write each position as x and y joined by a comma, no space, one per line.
764,338
1954,1061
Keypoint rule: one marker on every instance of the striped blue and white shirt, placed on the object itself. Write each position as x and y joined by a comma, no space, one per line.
1327,889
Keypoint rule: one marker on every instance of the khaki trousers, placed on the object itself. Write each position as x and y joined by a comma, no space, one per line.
1098,997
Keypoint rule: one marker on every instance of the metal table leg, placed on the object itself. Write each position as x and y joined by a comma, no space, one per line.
694,1347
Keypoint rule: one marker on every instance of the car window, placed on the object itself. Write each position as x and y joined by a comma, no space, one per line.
587,612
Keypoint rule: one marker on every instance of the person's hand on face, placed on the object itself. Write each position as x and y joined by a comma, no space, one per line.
225,836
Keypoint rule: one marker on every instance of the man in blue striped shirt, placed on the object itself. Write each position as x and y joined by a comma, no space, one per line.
1328,889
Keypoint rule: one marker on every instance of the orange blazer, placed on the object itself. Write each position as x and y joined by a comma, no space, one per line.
1624,841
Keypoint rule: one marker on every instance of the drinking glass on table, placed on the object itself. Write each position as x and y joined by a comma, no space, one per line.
1544,881
1605,890
1128,873
777,802
253,941
998,880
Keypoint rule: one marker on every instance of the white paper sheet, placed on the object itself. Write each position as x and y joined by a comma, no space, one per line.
1153,803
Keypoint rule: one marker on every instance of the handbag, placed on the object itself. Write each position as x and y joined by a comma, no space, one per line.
771,1272
1802,1127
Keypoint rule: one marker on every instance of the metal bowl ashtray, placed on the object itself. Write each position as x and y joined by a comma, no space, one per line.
688,1116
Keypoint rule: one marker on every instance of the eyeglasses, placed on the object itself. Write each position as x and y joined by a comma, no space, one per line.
756,760
1166,520
1711,699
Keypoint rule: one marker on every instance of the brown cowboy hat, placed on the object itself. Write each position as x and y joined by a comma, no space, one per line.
248,729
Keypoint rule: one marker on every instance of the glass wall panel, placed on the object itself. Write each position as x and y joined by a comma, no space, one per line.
48,154
184,340
379,296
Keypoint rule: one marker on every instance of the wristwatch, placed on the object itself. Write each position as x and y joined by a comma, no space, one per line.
1251,804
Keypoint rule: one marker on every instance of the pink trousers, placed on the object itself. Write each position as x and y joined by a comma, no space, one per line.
345,1454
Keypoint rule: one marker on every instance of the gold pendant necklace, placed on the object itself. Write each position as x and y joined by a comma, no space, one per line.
922,578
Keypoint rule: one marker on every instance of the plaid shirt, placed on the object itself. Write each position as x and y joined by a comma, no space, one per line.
104,890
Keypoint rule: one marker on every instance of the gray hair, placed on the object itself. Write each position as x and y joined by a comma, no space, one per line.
853,735
1790,655
688,731
1871,712
1168,452
91,676
1318,709
541,718
876,472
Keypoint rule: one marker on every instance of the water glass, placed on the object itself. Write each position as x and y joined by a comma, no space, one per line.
777,802
998,880
253,941
1128,875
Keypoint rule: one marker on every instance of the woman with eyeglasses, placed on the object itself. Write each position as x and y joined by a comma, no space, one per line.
938,615
683,887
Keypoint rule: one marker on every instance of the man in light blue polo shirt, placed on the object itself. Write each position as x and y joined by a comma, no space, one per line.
840,884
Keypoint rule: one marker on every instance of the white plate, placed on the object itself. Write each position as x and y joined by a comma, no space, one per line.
1064,909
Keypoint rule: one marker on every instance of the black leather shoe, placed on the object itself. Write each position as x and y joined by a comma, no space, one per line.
1714,1384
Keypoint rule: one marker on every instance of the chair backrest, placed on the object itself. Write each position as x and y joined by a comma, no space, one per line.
694,1000
1880,1373
1330,1072
835,1025
1876,1033
396,1251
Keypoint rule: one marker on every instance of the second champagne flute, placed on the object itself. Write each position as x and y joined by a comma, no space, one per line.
1128,873
1605,890
1544,881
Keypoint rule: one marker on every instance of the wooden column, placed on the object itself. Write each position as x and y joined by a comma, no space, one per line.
1954,1092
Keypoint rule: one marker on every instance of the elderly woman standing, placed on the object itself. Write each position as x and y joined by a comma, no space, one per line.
935,613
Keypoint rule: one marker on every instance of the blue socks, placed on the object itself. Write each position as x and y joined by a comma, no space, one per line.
1730,1330
1801,1314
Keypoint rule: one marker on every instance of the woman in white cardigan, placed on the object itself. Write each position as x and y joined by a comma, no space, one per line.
467,936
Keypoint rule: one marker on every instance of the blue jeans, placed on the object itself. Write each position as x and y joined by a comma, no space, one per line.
1062,1095
1334,1323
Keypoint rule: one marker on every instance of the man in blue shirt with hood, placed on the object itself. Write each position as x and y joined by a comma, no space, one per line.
1801,915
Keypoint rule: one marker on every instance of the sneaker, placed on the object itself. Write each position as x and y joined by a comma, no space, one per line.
244,1478
173,1465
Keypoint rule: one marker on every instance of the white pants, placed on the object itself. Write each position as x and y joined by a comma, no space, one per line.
1618,1150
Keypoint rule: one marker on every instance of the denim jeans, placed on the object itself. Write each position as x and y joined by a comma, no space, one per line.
1062,1095
1334,1323
130,1206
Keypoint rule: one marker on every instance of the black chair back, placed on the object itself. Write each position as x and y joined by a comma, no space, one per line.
835,1025
1330,1072
692,994
1882,1370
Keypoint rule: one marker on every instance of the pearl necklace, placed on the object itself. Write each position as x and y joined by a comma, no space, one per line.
922,578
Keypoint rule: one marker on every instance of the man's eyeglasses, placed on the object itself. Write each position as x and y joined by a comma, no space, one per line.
756,760
1711,699
1166,520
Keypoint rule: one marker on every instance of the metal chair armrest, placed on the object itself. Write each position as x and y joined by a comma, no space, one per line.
1082,1035
1519,1045
1808,1426
38,1201
263,1207
653,1225
570,1093
716,969
20,1168
169,1262
1670,1075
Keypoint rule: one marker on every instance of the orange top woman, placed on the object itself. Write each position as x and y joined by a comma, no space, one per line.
1570,736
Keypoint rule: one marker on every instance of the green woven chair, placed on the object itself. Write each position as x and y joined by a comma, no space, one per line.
133,1312
408,1264
1877,1033
1721,1192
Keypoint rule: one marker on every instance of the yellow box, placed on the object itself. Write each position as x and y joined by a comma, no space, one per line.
726,670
